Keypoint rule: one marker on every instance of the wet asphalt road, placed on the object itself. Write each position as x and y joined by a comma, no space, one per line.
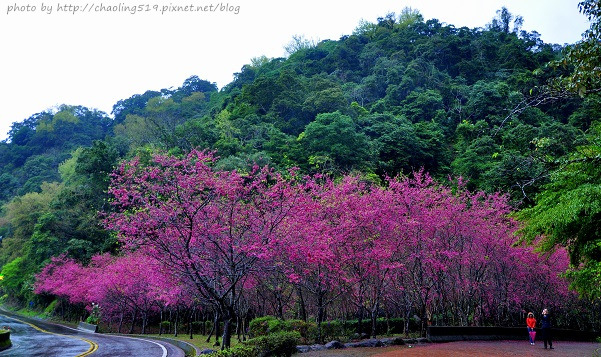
31,337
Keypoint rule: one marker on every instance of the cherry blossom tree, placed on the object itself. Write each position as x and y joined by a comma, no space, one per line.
208,228
194,235
128,284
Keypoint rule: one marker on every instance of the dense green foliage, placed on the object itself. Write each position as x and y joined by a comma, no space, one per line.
568,209
277,344
4,339
395,96
238,351
584,57
333,330
568,212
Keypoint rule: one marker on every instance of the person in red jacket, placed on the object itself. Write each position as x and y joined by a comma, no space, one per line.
531,325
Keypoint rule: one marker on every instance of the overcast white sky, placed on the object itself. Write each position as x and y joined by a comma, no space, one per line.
50,56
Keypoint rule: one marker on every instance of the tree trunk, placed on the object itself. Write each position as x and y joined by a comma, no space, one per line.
176,322
301,302
191,320
133,321
217,318
407,316
161,323
244,337
320,314
374,320
387,322
120,322
238,327
360,321
227,333
423,321
214,328
144,320
280,305
230,314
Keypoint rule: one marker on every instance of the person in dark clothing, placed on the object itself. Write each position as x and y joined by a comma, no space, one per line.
546,329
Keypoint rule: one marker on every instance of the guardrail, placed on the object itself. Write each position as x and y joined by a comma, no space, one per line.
470,333
87,327
188,348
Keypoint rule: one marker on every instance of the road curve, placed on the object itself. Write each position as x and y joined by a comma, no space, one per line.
33,337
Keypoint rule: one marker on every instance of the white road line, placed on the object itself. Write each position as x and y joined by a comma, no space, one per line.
92,333
133,338
142,339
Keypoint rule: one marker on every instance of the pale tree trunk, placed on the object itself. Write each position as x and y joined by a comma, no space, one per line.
133,321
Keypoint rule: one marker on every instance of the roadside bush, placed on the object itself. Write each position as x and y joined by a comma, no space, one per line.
49,310
276,344
94,317
238,351
307,330
263,326
331,330
165,325
4,339
260,325
277,325
197,326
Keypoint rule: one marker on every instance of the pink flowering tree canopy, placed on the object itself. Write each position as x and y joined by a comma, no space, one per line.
209,228
190,233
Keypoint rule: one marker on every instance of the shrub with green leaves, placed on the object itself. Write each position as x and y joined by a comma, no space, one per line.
276,344
261,325
331,330
305,329
50,308
94,317
238,351
165,325
4,339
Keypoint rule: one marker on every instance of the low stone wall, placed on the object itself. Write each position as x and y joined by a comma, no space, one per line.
471,333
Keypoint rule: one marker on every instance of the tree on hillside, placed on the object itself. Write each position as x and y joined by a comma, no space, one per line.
583,58
20,217
333,139
568,211
503,21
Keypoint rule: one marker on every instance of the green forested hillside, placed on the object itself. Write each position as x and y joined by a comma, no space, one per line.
394,96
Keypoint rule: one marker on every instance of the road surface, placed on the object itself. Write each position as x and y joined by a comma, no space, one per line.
32,337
